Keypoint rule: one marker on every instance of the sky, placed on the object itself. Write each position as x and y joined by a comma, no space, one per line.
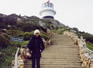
73,13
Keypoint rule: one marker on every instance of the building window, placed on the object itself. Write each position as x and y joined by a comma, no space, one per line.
48,5
51,5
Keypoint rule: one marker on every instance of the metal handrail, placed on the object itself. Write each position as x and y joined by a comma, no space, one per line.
16,58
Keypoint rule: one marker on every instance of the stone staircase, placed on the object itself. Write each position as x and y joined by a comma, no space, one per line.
62,54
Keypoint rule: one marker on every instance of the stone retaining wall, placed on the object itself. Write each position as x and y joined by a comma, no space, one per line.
86,54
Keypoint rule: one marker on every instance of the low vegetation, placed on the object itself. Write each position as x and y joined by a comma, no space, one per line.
6,56
59,30
90,45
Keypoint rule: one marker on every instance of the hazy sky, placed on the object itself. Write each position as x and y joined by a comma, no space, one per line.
74,13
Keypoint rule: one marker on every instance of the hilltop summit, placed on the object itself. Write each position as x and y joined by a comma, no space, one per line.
16,19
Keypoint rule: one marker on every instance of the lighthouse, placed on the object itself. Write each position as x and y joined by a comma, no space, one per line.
47,10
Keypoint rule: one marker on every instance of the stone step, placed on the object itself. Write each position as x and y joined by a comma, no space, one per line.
56,66
62,51
57,62
63,64
69,60
61,54
60,58
67,46
76,60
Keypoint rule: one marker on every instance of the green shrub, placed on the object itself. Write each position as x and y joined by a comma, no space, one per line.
28,27
53,30
87,36
24,43
4,42
89,45
44,35
16,44
60,32
7,56
28,35
16,33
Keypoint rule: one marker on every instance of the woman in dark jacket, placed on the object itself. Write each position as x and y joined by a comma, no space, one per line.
36,46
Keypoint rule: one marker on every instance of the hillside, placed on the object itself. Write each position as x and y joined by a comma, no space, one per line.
23,26
30,23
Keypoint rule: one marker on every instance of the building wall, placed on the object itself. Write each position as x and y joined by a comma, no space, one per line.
47,13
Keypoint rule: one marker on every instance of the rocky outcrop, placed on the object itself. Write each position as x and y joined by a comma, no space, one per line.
15,19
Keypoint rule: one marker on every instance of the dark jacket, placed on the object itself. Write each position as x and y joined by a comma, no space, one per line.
35,45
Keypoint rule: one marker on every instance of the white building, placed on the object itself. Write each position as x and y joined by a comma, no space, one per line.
47,10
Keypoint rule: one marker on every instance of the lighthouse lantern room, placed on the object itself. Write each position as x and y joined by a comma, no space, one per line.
47,10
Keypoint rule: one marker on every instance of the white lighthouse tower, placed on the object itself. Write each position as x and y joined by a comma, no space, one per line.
47,10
